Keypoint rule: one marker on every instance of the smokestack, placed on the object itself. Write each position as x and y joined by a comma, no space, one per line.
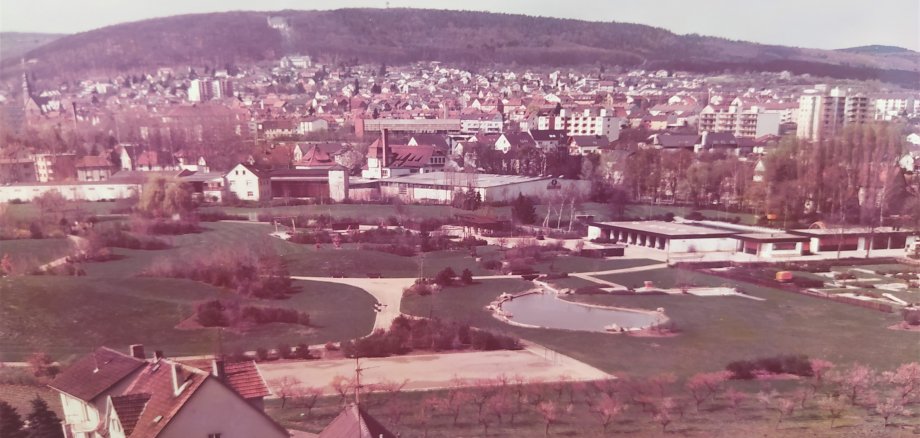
384,144
217,369
137,351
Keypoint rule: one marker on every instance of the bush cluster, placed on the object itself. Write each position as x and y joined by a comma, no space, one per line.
217,313
408,334
798,365
165,226
117,238
250,273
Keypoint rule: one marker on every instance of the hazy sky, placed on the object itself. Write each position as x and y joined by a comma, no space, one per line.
807,23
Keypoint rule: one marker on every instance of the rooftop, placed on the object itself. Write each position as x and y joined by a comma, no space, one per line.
455,179
670,229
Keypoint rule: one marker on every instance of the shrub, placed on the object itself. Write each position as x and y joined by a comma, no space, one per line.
911,316
590,290
798,365
445,277
742,369
261,354
331,346
491,264
466,277
211,314
303,351
284,351
695,216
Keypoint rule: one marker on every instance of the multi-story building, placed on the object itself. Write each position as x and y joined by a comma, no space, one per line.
55,167
895,105
744,121
588,121
17,170
822,114
202,90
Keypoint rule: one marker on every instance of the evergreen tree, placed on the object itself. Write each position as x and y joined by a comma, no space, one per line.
11,425
523,210
43,422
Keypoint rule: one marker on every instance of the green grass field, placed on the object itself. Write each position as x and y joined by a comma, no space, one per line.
716,330
66,316
114,306
30,211
35,251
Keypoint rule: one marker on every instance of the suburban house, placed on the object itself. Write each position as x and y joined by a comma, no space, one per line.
587,144
548,140
115,395
248,183
93,168
513,140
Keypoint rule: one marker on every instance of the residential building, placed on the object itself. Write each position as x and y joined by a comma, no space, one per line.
115,395
248,183
578,121
823,114
481,123
93,168
744,121
587,144
891,106
17,170
55,167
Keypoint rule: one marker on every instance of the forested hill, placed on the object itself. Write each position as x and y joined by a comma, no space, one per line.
402,35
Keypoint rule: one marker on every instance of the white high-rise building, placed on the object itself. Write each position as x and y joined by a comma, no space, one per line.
744,121
822,114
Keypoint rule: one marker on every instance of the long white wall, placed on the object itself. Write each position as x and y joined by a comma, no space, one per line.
74,192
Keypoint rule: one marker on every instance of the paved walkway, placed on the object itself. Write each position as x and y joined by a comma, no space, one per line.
387,291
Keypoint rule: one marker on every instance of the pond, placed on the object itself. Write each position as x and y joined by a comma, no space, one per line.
546,310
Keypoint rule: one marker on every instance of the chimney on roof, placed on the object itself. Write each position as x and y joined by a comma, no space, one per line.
137,351
218,370
177,379
385,147
158,354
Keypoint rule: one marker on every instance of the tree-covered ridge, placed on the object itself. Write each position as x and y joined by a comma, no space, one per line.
406,35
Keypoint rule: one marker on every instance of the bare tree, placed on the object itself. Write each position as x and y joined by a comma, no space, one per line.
285,388
548,411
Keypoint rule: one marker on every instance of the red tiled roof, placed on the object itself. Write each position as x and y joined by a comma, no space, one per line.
355,422
244,378
93,374
93,161
129,408
163,405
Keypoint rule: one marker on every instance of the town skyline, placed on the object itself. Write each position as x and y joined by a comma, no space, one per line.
888,22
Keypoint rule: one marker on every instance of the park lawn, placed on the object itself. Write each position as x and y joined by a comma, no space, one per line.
572,283
36,251
716,330
30,211
67,316
638,210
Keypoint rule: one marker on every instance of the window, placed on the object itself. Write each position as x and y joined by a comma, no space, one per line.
784,246
249,194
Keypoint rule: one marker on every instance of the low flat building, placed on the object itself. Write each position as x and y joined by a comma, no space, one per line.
856,239
672,237
439,187
772,245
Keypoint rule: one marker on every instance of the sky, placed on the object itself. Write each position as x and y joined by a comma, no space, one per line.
825,24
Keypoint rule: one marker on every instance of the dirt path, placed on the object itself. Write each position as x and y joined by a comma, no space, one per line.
434,371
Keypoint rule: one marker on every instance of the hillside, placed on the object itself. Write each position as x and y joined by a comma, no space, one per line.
877,48
14,44
404,35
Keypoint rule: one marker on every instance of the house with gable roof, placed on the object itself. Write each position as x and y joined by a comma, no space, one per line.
115,395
